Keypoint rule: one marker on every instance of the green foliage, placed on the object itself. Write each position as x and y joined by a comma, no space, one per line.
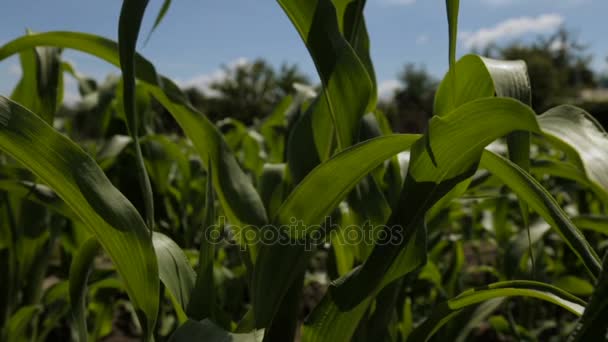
248,91
299,215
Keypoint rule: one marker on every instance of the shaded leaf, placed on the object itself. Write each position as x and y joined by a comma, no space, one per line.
81,267
447,310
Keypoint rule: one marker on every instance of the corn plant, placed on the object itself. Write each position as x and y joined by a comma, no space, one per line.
323,166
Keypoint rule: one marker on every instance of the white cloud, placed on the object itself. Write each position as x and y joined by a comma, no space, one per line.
397,2
511,28
387,88
422,39
202,82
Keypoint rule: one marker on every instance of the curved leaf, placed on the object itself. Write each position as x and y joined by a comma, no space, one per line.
78,180
447,310
40,88
592,326
595,223
539,199
569,171
575,127
159,17
445,156
277,263
17,325
174,271
337,176
131,15
237,195
202,304
347,87
79,274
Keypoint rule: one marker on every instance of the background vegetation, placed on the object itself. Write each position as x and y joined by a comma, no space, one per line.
497,189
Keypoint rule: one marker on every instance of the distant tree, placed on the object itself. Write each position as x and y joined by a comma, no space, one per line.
248,91
412,103
603,78
559,67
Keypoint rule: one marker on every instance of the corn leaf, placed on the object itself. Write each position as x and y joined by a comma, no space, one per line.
567,170
76,178
207,331
18,325
437,165
159,17
237,195
574,127
595,223
40,88
592,326
80,269
352,25
447,310
539,200
131,15
174,271
347,87
202,303
277,263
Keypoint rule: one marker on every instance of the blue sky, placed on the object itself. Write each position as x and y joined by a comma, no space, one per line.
198,36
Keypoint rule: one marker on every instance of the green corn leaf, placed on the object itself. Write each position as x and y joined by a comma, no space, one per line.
277,263
55,298
539,200
17,326
38,193
76,178
273,187
447,310
479,77
483,77
174,271
453,7
592,326
337,177
80,269
284,324
131,15
300,157
347,87
519,245
436,166
595,223
572,126
202,303
480,314
207,331
40,88
159,17
567,170
274,127
575,285
510,79
352,25
237,195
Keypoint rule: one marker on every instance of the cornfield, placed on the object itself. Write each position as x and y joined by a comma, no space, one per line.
317,224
